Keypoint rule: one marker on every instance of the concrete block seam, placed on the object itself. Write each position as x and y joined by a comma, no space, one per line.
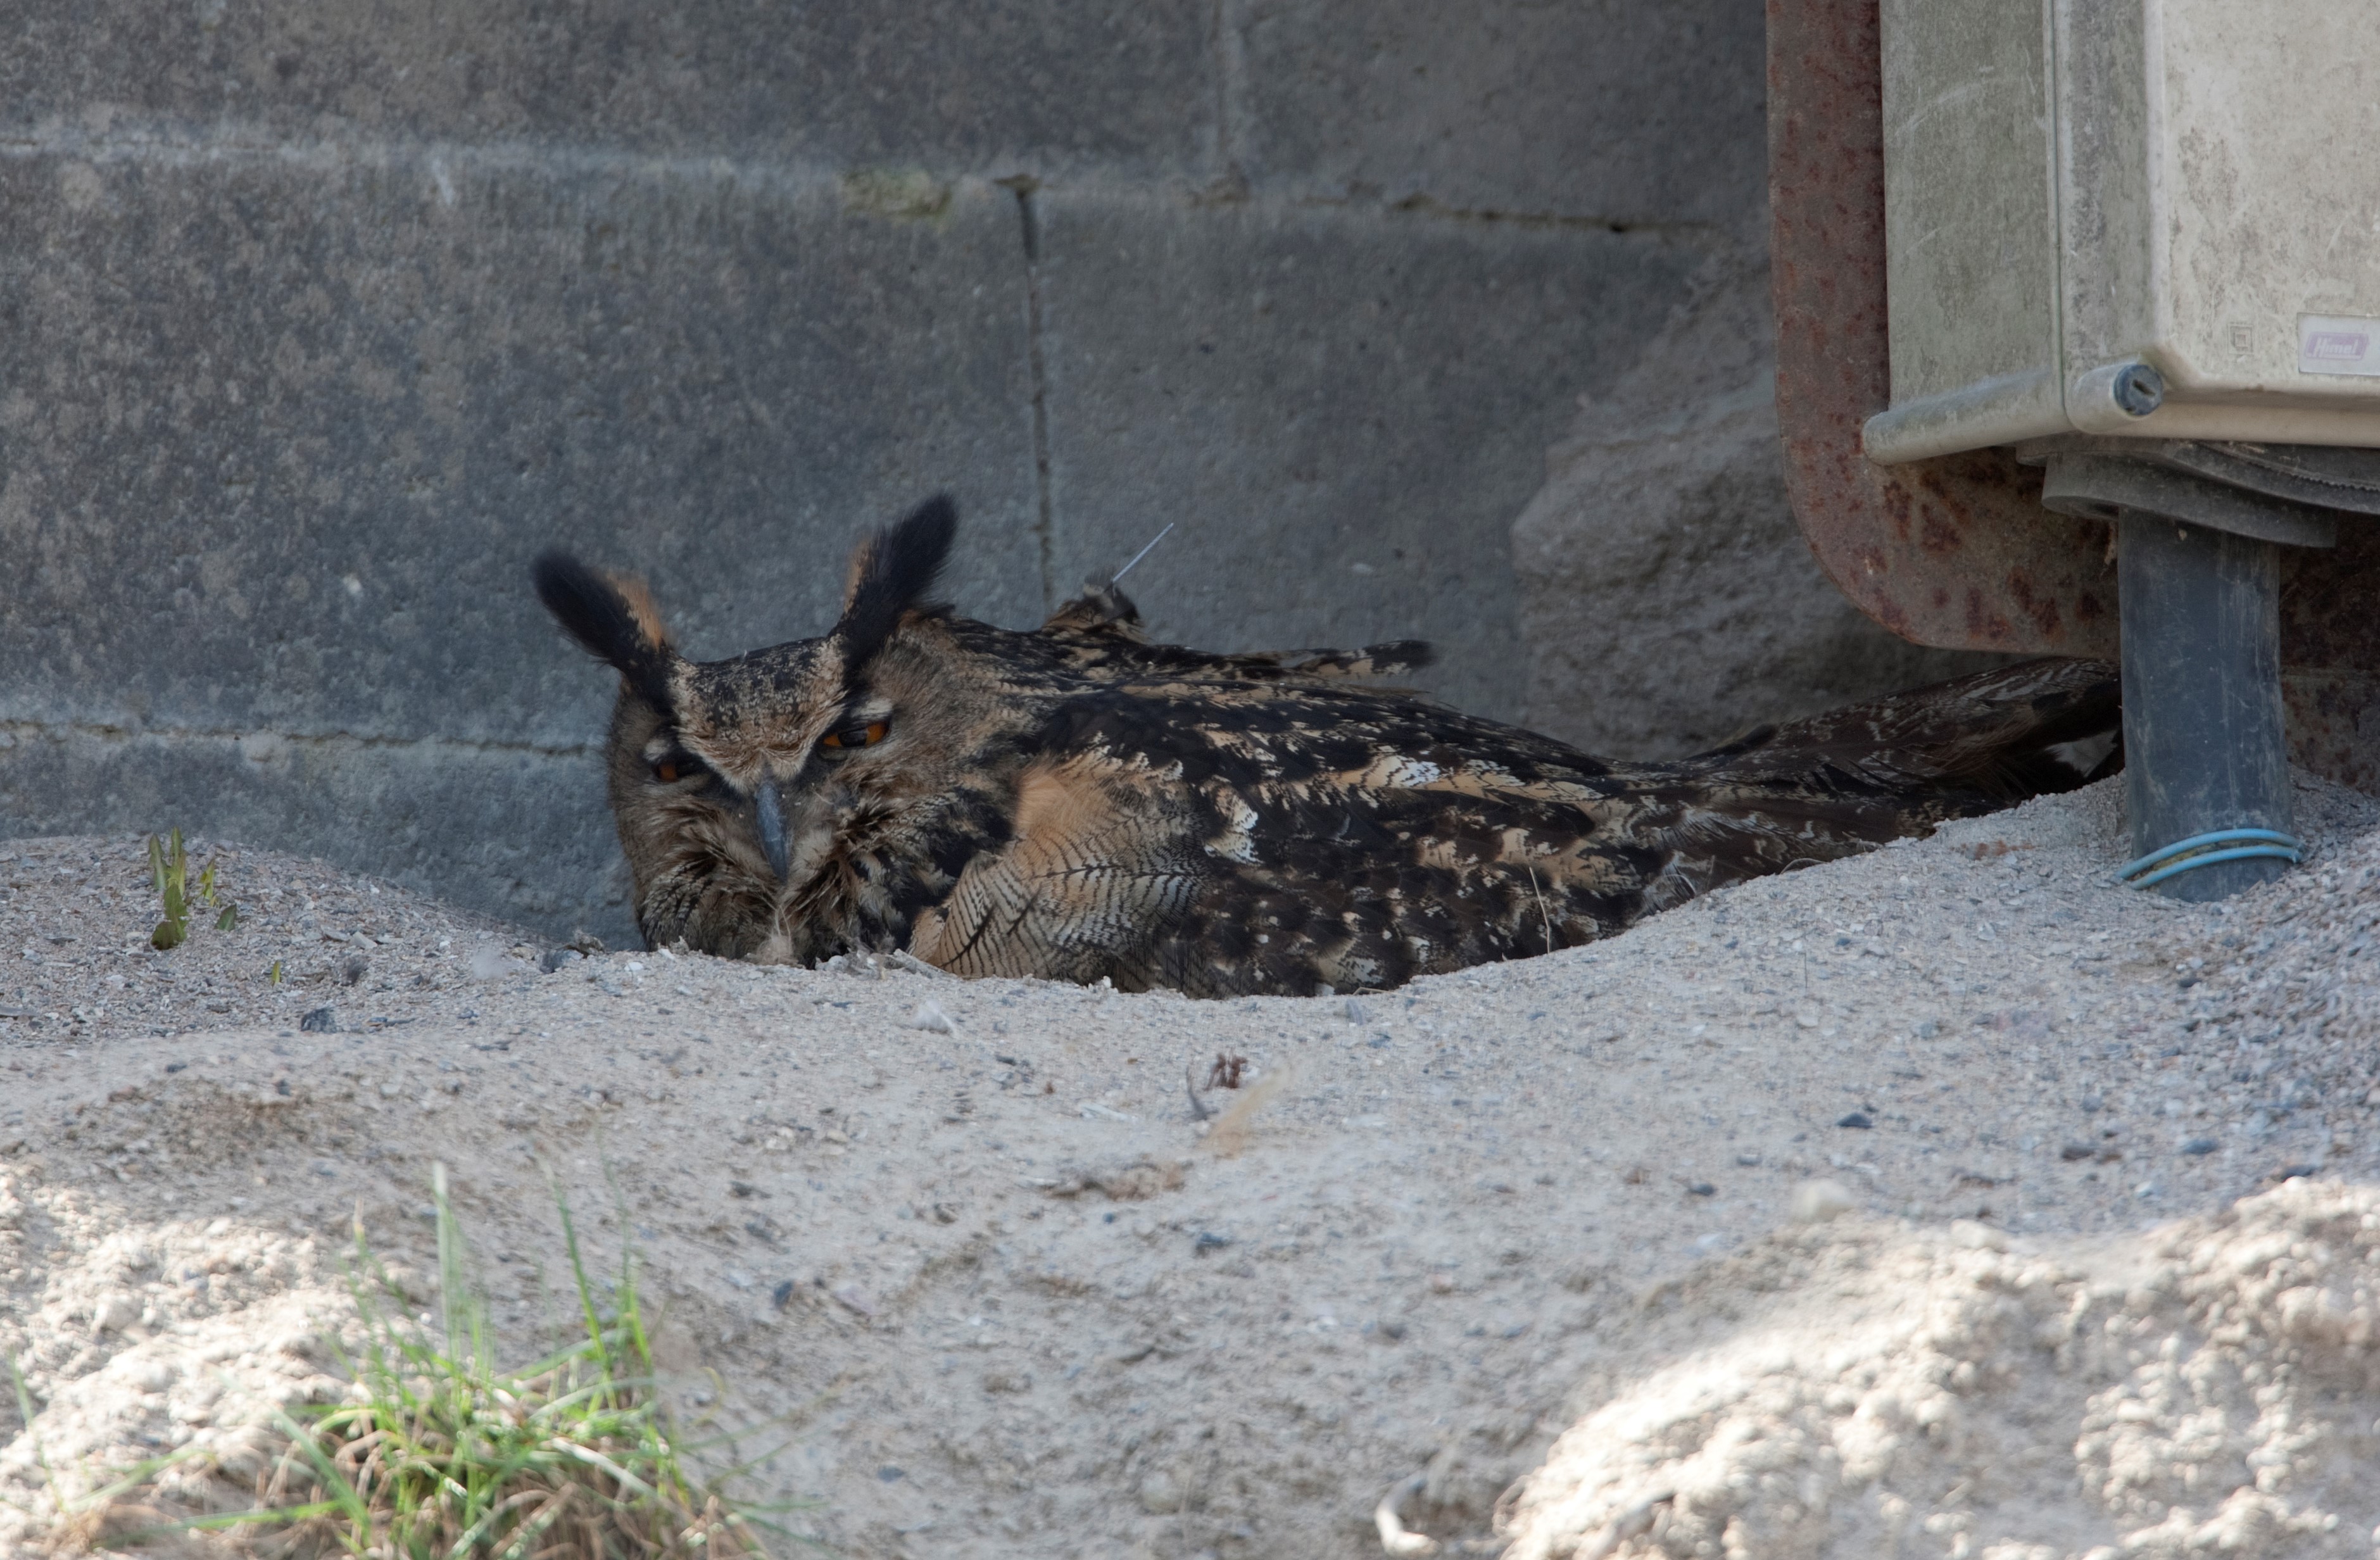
174,144
1230,66
1037,370
261,744
1429,208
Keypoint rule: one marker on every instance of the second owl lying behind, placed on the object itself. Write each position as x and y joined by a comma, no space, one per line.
1073,803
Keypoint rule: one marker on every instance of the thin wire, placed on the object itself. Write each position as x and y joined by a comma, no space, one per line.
1141,554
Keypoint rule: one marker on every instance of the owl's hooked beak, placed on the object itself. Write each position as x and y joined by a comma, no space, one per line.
772,828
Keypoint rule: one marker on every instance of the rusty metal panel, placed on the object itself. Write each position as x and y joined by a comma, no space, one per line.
1956,552
2330,655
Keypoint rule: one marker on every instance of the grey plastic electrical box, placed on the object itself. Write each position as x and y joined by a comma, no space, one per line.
2132,217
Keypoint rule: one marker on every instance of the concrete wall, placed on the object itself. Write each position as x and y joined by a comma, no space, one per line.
1666,600
321,317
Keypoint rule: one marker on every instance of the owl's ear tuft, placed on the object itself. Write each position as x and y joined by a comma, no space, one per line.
891,574
613,618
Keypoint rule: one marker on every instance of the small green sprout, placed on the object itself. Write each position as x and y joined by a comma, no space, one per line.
169,874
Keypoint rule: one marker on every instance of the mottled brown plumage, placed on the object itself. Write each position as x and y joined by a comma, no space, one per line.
1074,802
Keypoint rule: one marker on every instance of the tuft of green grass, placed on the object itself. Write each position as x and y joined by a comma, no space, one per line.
437,1452
169,874
25,1416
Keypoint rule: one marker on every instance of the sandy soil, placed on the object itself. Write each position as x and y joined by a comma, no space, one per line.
1891,1207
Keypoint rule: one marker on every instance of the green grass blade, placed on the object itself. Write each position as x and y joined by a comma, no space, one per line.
585,1287
436,1451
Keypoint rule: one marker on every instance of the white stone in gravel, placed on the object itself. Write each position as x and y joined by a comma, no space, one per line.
1815,1202
113,1312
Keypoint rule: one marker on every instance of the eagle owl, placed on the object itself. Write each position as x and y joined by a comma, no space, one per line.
1073,802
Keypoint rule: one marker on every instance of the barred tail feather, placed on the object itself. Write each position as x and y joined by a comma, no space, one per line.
1997,737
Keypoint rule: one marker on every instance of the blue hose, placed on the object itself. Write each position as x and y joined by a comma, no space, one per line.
2206,849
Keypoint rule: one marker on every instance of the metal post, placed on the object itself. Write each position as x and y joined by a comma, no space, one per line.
2203,748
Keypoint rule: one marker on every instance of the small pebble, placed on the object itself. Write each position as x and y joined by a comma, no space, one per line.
1857,1119
931,1018
319,1020
1817,1200
114,1313
2200,1145
1977,1236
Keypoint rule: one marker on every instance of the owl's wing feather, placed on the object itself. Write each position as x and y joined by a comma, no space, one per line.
1091,875
1341,837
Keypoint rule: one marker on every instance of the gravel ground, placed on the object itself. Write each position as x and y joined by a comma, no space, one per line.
2207,1387
76,963
975,1246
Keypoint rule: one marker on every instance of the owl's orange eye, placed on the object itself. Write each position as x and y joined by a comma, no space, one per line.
857,736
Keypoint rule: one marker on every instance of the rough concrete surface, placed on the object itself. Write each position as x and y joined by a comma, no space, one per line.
1277,365
1605,112
1122,87
329,461
1891,1207
1667,600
